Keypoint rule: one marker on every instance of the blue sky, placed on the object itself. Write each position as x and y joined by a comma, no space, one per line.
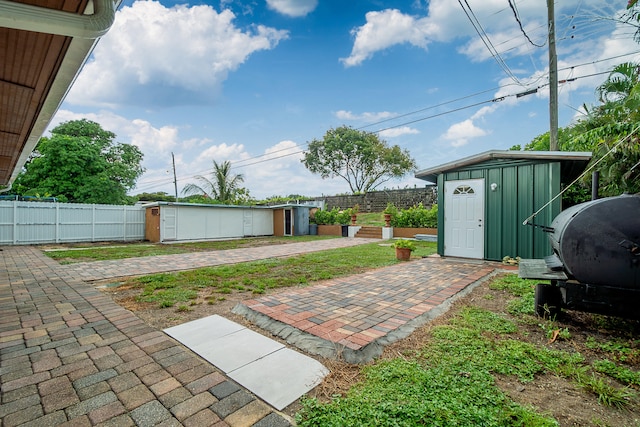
253,81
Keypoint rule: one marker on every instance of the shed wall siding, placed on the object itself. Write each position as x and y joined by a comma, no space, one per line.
201,223
523,187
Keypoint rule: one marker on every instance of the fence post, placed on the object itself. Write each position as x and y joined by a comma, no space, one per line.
15,222
124,222
57,232
93,222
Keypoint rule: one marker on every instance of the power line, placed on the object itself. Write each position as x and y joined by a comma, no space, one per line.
485,39
488,101
517,16
259,158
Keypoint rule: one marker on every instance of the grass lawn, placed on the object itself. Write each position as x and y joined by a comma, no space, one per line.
120,251
372,219
168,289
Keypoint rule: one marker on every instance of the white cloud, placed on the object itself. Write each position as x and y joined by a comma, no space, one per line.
483,112
288,150
190,163
153,141
279,171
445,21
460,133
399,131
182,53
293,8
368,117
506,43
385,29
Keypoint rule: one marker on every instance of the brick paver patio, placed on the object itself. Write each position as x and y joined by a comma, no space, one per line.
354,317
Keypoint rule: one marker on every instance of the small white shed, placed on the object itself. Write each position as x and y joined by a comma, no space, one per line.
187,221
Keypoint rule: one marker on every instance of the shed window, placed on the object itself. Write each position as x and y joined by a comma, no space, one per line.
463,189
155,211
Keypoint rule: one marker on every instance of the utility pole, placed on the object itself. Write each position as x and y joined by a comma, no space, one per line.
175,180
553,79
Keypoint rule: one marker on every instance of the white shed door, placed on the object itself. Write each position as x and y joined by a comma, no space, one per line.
464,218
169,223
247,222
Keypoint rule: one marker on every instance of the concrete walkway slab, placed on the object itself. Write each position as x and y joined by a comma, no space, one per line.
200,331
284,376
264,366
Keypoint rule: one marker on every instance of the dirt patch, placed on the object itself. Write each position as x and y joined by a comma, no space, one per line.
563,399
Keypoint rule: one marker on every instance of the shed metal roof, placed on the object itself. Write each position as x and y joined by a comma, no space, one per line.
203,205
576,160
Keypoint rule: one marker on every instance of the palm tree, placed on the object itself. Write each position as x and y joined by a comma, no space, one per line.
622,79
223,185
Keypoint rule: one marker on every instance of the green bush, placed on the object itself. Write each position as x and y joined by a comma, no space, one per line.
414,217
324,217
334,216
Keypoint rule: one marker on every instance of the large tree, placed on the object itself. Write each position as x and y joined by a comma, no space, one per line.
223,186
81,162
360,158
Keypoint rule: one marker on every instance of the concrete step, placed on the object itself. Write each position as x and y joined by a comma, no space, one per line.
370,232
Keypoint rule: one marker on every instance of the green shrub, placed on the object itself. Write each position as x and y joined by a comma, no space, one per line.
325,217
414,217
334,216
404,244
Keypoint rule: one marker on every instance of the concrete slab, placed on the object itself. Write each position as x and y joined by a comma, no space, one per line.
235,350
271,376
203,330
265,367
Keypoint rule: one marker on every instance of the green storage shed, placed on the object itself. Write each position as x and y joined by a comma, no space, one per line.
484,199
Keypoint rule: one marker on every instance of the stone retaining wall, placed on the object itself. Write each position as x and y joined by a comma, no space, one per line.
376,201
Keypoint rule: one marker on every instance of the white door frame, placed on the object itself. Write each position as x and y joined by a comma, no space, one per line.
464,218
288,225
169,218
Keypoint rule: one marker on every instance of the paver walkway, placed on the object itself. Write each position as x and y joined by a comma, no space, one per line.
102,270
69,356
354,317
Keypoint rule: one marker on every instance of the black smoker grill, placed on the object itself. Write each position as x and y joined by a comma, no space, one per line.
596,262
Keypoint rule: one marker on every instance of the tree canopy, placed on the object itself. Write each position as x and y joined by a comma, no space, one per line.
81,162
360,158
222,187
611,130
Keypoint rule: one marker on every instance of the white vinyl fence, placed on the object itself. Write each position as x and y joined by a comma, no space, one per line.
25,223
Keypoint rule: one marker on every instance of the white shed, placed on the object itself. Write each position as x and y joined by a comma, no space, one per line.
187,221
